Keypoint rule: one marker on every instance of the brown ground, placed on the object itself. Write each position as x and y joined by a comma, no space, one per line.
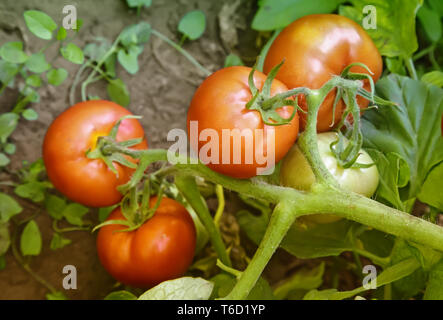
160,92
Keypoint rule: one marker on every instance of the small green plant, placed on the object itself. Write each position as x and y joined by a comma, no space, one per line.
27,72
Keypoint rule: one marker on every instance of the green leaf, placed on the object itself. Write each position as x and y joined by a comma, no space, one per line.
55,206
223,284
395,30
57,76
56,296
30,114
8,123
431,22
79,24
390,274
118,92
104,212
275,14
5,240
74,213
4,160
8,207
433,77
394,174
58,241
430,192
136,34
396,65
185,288
233,60
120,295
13,52
138,3
437,6
33,190
411,129
72,53
434,288
9,148
8,71
37,63
34,81
129,60
315,241
40,24
303,280
31,240
61,34
193,24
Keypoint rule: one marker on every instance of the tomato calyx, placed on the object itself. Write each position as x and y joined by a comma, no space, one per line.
135,207
267,105
100,152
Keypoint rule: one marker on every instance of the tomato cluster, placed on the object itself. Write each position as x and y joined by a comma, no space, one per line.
314,48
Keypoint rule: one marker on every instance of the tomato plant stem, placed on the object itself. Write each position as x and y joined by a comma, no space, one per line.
221,204
188,187
281,220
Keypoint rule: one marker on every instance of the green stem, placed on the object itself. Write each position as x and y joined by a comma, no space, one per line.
191,59
381,261
188,187
221,204
411,68
70,229
281,220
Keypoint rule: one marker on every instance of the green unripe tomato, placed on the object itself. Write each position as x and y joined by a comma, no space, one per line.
297,173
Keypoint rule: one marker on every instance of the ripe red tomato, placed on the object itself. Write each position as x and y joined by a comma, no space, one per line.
161,249
220,104
71,134
315,48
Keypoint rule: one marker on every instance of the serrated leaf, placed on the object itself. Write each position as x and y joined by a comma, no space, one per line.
185,288
37,63
13,52
394,34
57,76
8,207
412,129
72,53
31,240
40,24
118,92
74,213
193,24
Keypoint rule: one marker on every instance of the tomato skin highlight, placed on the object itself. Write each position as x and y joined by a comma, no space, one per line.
315,48
220,103
161,249
71,134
